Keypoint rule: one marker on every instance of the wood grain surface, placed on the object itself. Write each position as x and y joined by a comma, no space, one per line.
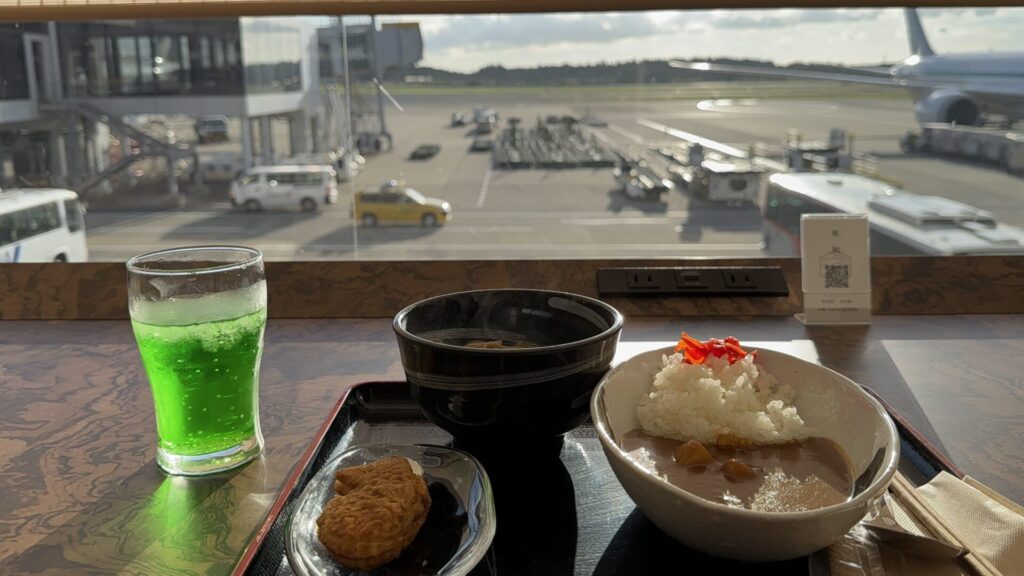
902,285
971,384
82,493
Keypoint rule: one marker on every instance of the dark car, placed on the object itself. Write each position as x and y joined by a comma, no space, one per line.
425,151
481,145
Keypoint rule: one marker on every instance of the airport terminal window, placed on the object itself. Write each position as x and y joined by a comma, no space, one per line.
146,85
272,52
205,57
186,63
128,64
14,79
141,58
168,66
96,54
619,135
219,59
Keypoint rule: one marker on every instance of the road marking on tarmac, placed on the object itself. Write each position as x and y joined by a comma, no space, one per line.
621,221
632,136
483,189
294,248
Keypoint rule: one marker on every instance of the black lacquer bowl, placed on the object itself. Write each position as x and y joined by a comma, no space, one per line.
511,396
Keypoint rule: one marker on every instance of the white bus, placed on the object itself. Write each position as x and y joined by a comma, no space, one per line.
902,223
41,225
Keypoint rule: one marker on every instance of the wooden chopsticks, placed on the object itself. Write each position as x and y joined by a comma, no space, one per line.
927,515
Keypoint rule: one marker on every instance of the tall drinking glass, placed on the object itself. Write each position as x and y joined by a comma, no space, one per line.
198,316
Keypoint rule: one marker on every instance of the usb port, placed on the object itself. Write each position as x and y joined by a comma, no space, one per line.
689,279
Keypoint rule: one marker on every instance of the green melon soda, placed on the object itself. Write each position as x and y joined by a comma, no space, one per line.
203,358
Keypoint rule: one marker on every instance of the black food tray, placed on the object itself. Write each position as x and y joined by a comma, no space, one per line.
558,513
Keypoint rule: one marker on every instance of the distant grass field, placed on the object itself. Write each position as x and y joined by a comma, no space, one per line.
654,92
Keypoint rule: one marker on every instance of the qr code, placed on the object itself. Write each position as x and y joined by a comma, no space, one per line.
837,275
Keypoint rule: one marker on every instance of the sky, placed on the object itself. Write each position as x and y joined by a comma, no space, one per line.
841,36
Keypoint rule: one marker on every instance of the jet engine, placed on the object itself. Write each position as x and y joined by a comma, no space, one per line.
948,106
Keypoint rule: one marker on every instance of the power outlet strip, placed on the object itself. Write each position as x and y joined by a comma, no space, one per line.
702,281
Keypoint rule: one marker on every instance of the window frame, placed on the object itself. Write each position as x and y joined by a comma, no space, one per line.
940,277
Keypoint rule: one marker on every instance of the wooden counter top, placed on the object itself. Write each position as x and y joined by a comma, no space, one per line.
82,492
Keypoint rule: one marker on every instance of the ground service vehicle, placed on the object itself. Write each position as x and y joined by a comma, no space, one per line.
42,225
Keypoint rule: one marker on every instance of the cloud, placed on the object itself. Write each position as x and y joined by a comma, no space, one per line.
500,31
484,32
855,36
738,19
956,12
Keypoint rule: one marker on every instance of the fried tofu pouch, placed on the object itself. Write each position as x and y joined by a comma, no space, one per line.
378,510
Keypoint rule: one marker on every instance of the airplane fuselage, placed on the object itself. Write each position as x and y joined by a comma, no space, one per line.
961,68
995,82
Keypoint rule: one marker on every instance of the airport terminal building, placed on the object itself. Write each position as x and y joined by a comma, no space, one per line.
398,45
81,101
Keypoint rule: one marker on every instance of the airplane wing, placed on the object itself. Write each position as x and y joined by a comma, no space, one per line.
859,76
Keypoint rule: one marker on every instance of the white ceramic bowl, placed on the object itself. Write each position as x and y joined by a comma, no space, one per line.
836,408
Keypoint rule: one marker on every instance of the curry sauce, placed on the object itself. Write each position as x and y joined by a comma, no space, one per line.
804,475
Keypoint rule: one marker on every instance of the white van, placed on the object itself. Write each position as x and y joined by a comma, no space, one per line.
290,186
41,225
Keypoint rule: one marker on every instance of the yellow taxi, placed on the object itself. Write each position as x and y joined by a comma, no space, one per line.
396,202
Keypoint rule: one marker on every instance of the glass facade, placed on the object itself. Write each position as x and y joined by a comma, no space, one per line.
14,83
273,56
27,154
360,52
149,58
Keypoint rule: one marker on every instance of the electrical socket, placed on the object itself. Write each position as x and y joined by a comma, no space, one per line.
693,281
641,279
738,279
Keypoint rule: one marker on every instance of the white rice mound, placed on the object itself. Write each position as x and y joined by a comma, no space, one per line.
703,401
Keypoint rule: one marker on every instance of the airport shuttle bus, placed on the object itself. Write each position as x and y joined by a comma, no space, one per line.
41,225
902,223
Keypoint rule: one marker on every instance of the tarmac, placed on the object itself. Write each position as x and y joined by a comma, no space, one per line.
569,213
